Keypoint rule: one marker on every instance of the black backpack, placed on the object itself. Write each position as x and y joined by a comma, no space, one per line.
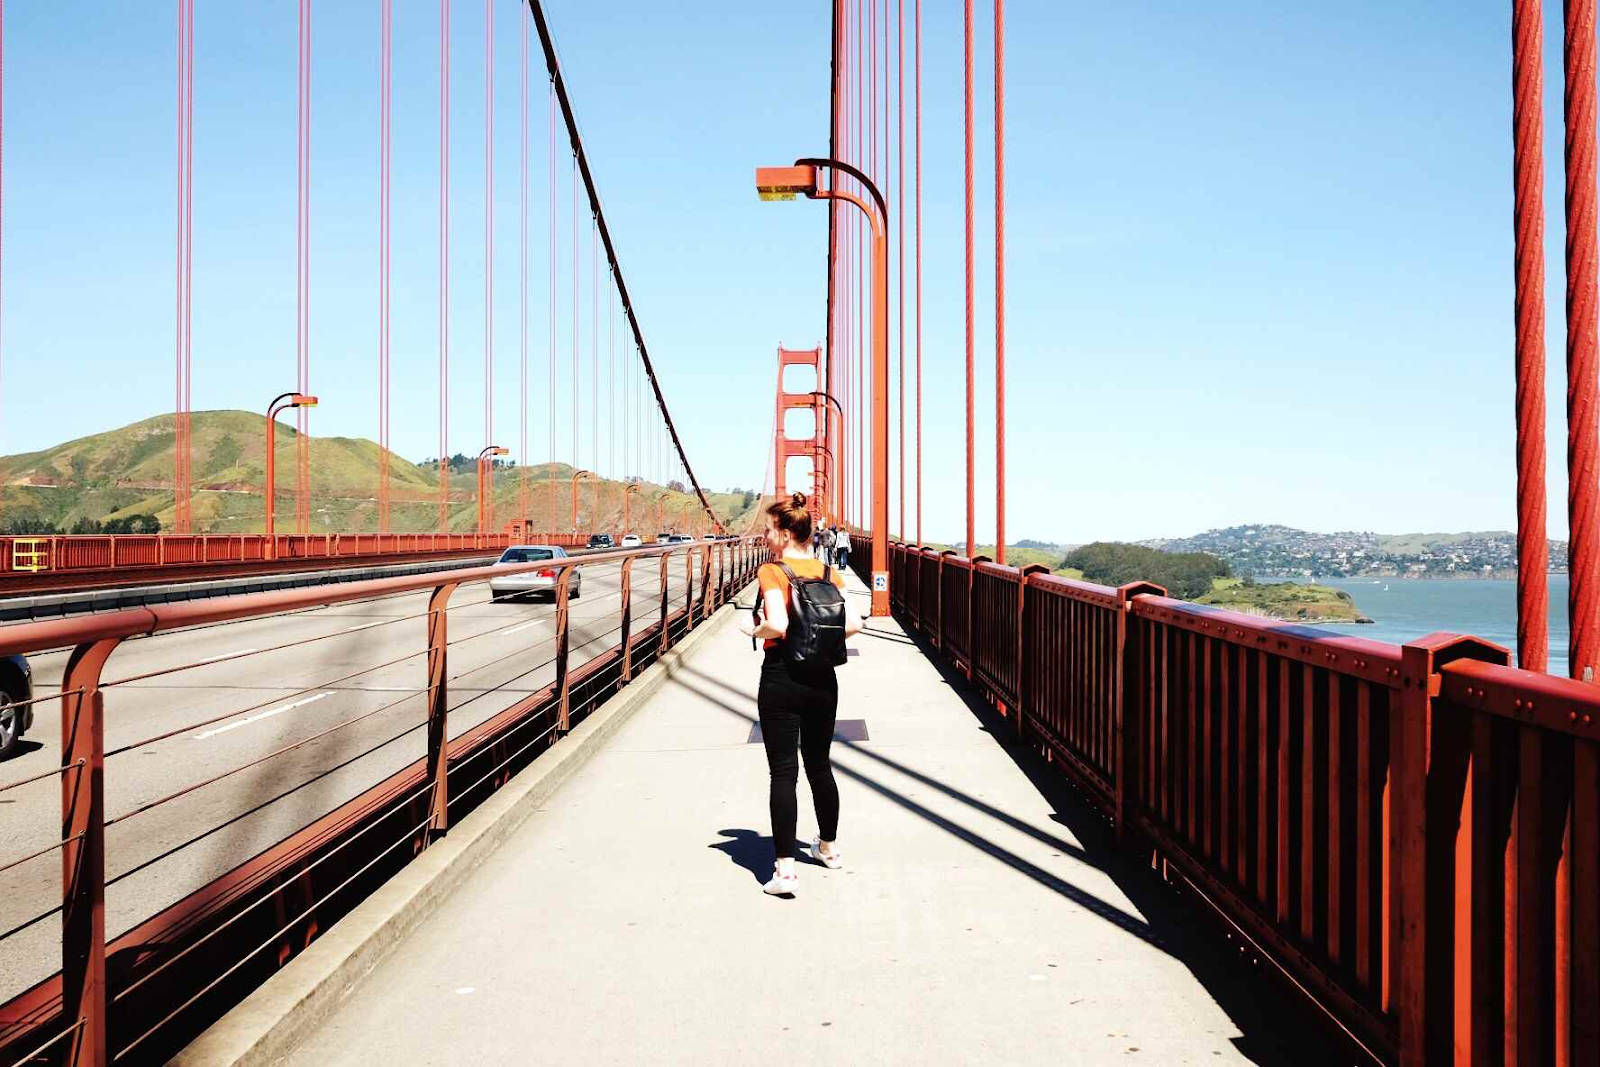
816,620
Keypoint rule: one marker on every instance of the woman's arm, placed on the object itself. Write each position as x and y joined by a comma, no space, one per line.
774,617
853,622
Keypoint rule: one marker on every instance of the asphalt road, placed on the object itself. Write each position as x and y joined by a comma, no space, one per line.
500,652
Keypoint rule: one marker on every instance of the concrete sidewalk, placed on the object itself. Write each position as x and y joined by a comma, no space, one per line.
624,923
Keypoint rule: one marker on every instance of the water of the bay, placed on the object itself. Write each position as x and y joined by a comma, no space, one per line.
1402,609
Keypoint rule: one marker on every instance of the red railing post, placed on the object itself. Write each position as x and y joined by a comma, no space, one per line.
438,707
970,652
563,641
1419,956
708,596
688,592
1128,713
83,853
1021,692
939,641
664,643
627,619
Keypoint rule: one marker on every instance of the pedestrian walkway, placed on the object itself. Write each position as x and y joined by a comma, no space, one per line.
980,919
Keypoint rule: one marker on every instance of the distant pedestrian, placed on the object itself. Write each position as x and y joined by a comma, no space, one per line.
804,619
841,549
824,544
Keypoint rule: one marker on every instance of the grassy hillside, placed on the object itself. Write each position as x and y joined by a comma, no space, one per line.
129,471
1416,543
1289,601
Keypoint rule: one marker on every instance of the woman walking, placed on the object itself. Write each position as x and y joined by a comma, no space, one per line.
799,696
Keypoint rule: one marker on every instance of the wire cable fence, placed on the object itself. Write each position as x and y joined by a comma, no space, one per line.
222,927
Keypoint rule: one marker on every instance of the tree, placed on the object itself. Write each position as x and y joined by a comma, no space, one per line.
85,525
147,524
1185,575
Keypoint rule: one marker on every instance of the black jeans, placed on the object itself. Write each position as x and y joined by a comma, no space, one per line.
798,706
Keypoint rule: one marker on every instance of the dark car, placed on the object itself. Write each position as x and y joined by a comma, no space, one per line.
16,714
601,541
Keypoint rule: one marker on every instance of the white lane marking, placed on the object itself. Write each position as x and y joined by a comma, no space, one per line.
464,990
264,715
225,655
524,626
359,626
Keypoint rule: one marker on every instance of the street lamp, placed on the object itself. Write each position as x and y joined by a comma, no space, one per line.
835,506
486,486
286,400
785,183
575,476
627,511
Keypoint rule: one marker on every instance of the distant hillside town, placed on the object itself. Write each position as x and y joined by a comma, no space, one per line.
1266,551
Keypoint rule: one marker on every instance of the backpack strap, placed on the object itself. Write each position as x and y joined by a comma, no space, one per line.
793,577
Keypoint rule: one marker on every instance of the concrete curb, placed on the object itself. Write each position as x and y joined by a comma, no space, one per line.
266,1025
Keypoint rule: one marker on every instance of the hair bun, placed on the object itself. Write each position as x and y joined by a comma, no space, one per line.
797,500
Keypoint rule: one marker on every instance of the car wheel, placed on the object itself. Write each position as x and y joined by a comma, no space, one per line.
577,587
10,725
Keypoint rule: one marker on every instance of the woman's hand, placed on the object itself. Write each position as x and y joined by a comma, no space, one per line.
747,628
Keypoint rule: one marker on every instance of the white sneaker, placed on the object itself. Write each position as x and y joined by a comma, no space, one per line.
833,861
781,885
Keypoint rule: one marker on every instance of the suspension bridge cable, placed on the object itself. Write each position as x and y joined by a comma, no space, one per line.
1000,281
488,250
559,84
444,266
917,110
967,86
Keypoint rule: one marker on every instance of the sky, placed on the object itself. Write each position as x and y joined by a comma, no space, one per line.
1258,256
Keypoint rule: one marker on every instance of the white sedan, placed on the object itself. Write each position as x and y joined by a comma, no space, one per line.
539,581
631,541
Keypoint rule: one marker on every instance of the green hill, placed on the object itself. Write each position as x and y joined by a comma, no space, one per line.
129,471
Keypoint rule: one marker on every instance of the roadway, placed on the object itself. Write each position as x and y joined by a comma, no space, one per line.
247,698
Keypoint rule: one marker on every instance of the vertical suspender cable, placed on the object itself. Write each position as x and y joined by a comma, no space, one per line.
2,122
303,499
385,85
611,370
444,266
1000,281
181,495
972,544
488,252
917,110
550,493
188,273
576,370
522,455
594,346
1584,594
1527,92
900,199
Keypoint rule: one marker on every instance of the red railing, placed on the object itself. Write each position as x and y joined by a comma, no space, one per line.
112,551
1411,834
129,995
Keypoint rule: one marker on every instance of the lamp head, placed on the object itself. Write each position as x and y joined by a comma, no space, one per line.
785,183
300,400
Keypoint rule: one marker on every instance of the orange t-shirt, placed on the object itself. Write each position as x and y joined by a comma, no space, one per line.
771,576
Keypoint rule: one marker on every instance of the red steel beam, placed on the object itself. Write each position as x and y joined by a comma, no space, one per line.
1583,508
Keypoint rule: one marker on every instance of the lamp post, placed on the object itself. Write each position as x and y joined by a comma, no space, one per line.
486,485
785,183
279,403
821,477
836,507
575,476
627,511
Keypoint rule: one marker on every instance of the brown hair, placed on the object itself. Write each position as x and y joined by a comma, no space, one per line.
791,515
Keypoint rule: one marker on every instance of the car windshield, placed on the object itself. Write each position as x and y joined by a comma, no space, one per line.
526,555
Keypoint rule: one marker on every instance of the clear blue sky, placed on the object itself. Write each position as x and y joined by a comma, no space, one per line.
1259,254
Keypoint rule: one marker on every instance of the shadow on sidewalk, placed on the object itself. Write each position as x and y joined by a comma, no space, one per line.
1275,1028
